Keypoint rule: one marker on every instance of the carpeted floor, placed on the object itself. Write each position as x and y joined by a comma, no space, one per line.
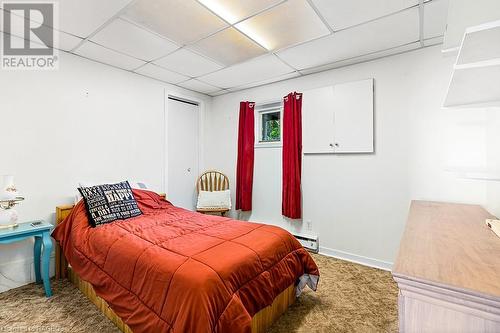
350,298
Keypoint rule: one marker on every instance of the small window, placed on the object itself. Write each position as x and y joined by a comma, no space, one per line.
271,126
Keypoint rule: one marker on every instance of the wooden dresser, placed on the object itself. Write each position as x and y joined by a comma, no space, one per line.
448,270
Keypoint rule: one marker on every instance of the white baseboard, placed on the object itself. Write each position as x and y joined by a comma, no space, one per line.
20,272
380,264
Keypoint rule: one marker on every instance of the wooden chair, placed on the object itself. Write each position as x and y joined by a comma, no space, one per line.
212,181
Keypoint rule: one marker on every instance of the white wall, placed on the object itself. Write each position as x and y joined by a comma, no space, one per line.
357,204
493,151
84,122
53,134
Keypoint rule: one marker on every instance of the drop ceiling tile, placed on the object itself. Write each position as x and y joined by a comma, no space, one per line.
435,17
199,86
64,41
433,41
68,42
188,63
234,11
290,23
228,47
388,32
81,18
341,14
220,92
179,20
156,72
363,58
16,24
259,69
99,53
130,39
268,81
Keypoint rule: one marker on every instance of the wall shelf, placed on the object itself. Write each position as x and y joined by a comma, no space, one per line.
476,174
476,74
463,14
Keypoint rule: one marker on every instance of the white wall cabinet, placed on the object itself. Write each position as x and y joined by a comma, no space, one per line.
317,121
338,119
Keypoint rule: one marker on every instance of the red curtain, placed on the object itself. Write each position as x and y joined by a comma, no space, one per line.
292,156
244,166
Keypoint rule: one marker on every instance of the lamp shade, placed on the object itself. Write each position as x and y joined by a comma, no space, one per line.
8,190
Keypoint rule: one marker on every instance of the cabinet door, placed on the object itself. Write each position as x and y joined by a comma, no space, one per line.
317,120
353,108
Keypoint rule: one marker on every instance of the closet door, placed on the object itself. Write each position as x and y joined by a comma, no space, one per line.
317,121
353,117
182,152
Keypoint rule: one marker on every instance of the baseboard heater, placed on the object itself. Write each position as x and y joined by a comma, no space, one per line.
309,242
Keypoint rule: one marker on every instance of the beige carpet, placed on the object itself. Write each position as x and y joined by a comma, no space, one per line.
350,298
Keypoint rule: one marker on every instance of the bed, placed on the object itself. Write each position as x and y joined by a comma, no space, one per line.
173,270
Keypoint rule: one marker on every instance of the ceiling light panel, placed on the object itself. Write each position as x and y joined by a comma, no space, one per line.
130,39
161,74
435,18
228,47
388,32
255,70
99,53
234,11
199,86
82,18
179,20
188,63
290,23
341,14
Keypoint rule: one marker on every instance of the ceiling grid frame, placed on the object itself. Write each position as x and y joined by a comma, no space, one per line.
421,14
102,26
119,13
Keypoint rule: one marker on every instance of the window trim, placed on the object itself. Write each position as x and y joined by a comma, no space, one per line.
265,109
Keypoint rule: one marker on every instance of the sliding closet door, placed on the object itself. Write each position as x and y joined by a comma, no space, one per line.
182,151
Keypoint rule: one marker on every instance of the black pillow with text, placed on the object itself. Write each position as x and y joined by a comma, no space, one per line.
109,202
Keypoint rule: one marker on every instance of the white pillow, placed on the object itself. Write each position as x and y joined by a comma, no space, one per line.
215,199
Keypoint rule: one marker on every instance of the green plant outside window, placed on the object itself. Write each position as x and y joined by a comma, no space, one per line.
271,127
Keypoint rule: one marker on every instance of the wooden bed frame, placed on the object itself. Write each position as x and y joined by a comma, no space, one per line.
261,321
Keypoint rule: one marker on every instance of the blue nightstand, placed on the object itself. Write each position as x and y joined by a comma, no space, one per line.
41,233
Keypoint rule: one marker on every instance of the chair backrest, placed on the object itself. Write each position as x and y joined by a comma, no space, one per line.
212,181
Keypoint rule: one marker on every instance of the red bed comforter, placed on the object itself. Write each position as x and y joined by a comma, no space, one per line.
173,270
